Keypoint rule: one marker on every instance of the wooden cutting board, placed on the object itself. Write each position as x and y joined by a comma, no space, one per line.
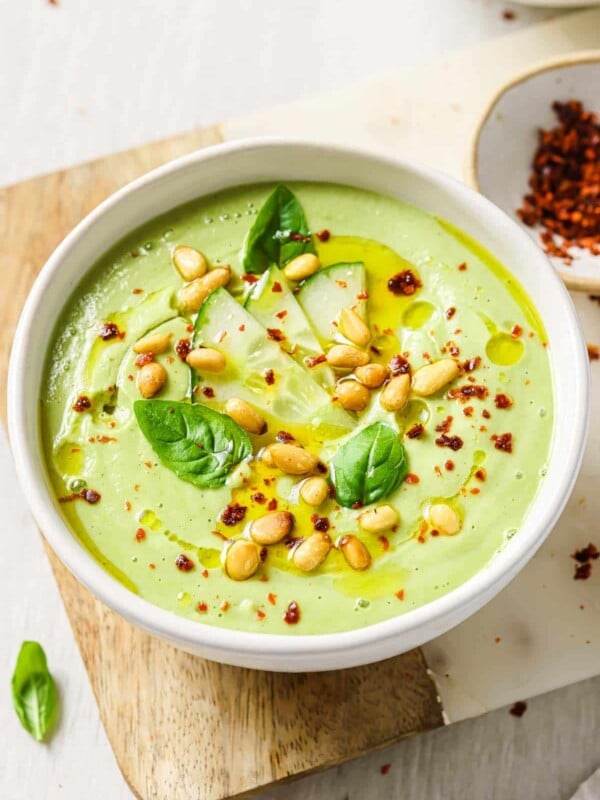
180,726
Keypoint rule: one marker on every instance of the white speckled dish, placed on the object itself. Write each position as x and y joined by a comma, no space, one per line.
506,138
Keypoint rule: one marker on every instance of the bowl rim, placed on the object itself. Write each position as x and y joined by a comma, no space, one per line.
578,283
233,642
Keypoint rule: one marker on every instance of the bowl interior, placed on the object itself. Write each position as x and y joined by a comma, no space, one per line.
205,172
508,138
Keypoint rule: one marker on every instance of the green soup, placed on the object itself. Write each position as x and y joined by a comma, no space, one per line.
158,502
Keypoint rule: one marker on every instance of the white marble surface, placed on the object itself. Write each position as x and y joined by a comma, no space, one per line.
87,77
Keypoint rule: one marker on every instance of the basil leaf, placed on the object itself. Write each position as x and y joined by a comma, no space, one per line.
34,694
368,466
279,233
198,444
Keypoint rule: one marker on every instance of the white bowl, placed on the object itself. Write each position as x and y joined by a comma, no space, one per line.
227,165
507,136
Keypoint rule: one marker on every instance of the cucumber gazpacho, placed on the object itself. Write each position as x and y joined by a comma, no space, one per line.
302,408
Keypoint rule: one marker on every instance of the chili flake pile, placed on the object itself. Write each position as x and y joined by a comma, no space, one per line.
565,183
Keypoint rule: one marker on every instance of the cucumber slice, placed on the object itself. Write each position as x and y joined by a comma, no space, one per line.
294,396
327,292
274,305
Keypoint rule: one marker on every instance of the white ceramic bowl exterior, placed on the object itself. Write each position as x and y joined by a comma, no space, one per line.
273,160
508,137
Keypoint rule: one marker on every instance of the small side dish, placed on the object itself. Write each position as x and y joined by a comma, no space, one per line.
296,409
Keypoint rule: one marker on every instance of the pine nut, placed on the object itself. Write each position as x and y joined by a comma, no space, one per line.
189,263
314,491
433,377
378,519
292,459
354,327
272,528
355,552
444,519
191,296
352,395
241,559
345,355
301,267
266,456
394,395
246,417
151,379
205,359
371,375
153,343
311,552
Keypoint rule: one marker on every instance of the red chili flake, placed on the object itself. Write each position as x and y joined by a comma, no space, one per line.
312,361
453,442
242,328
462,267
516,331
202,608
445,425
208,391
449,465
486,414
205,573
503,442
151,565
284,437
399,594
272,504
184,563
137,291
342,284
450,312
385,543
183,348
453,348
299,237
362,295
583,571
415,431
260,614
140,535
481,474
464,393
518,709
90,496
110,330
323,236
470,364
399,365
276,287
593,352
385,768
502,401
233,513
248,278
565,183
259,497
127,505
83,403
276,334
282,314
411,478
589,553
405,282
468,411
143,359
224,605
269,377
475,490
292,613
321,524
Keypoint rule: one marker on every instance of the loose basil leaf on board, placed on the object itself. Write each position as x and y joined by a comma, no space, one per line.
35,698
279,233
368,466
198,444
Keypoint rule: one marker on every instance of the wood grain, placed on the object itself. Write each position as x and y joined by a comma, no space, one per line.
180,726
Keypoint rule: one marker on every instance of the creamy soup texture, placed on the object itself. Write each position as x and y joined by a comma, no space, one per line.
297,409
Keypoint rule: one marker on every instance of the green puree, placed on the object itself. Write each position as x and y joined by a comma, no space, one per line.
475,311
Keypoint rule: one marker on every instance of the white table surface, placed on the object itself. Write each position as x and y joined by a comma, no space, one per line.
88,77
